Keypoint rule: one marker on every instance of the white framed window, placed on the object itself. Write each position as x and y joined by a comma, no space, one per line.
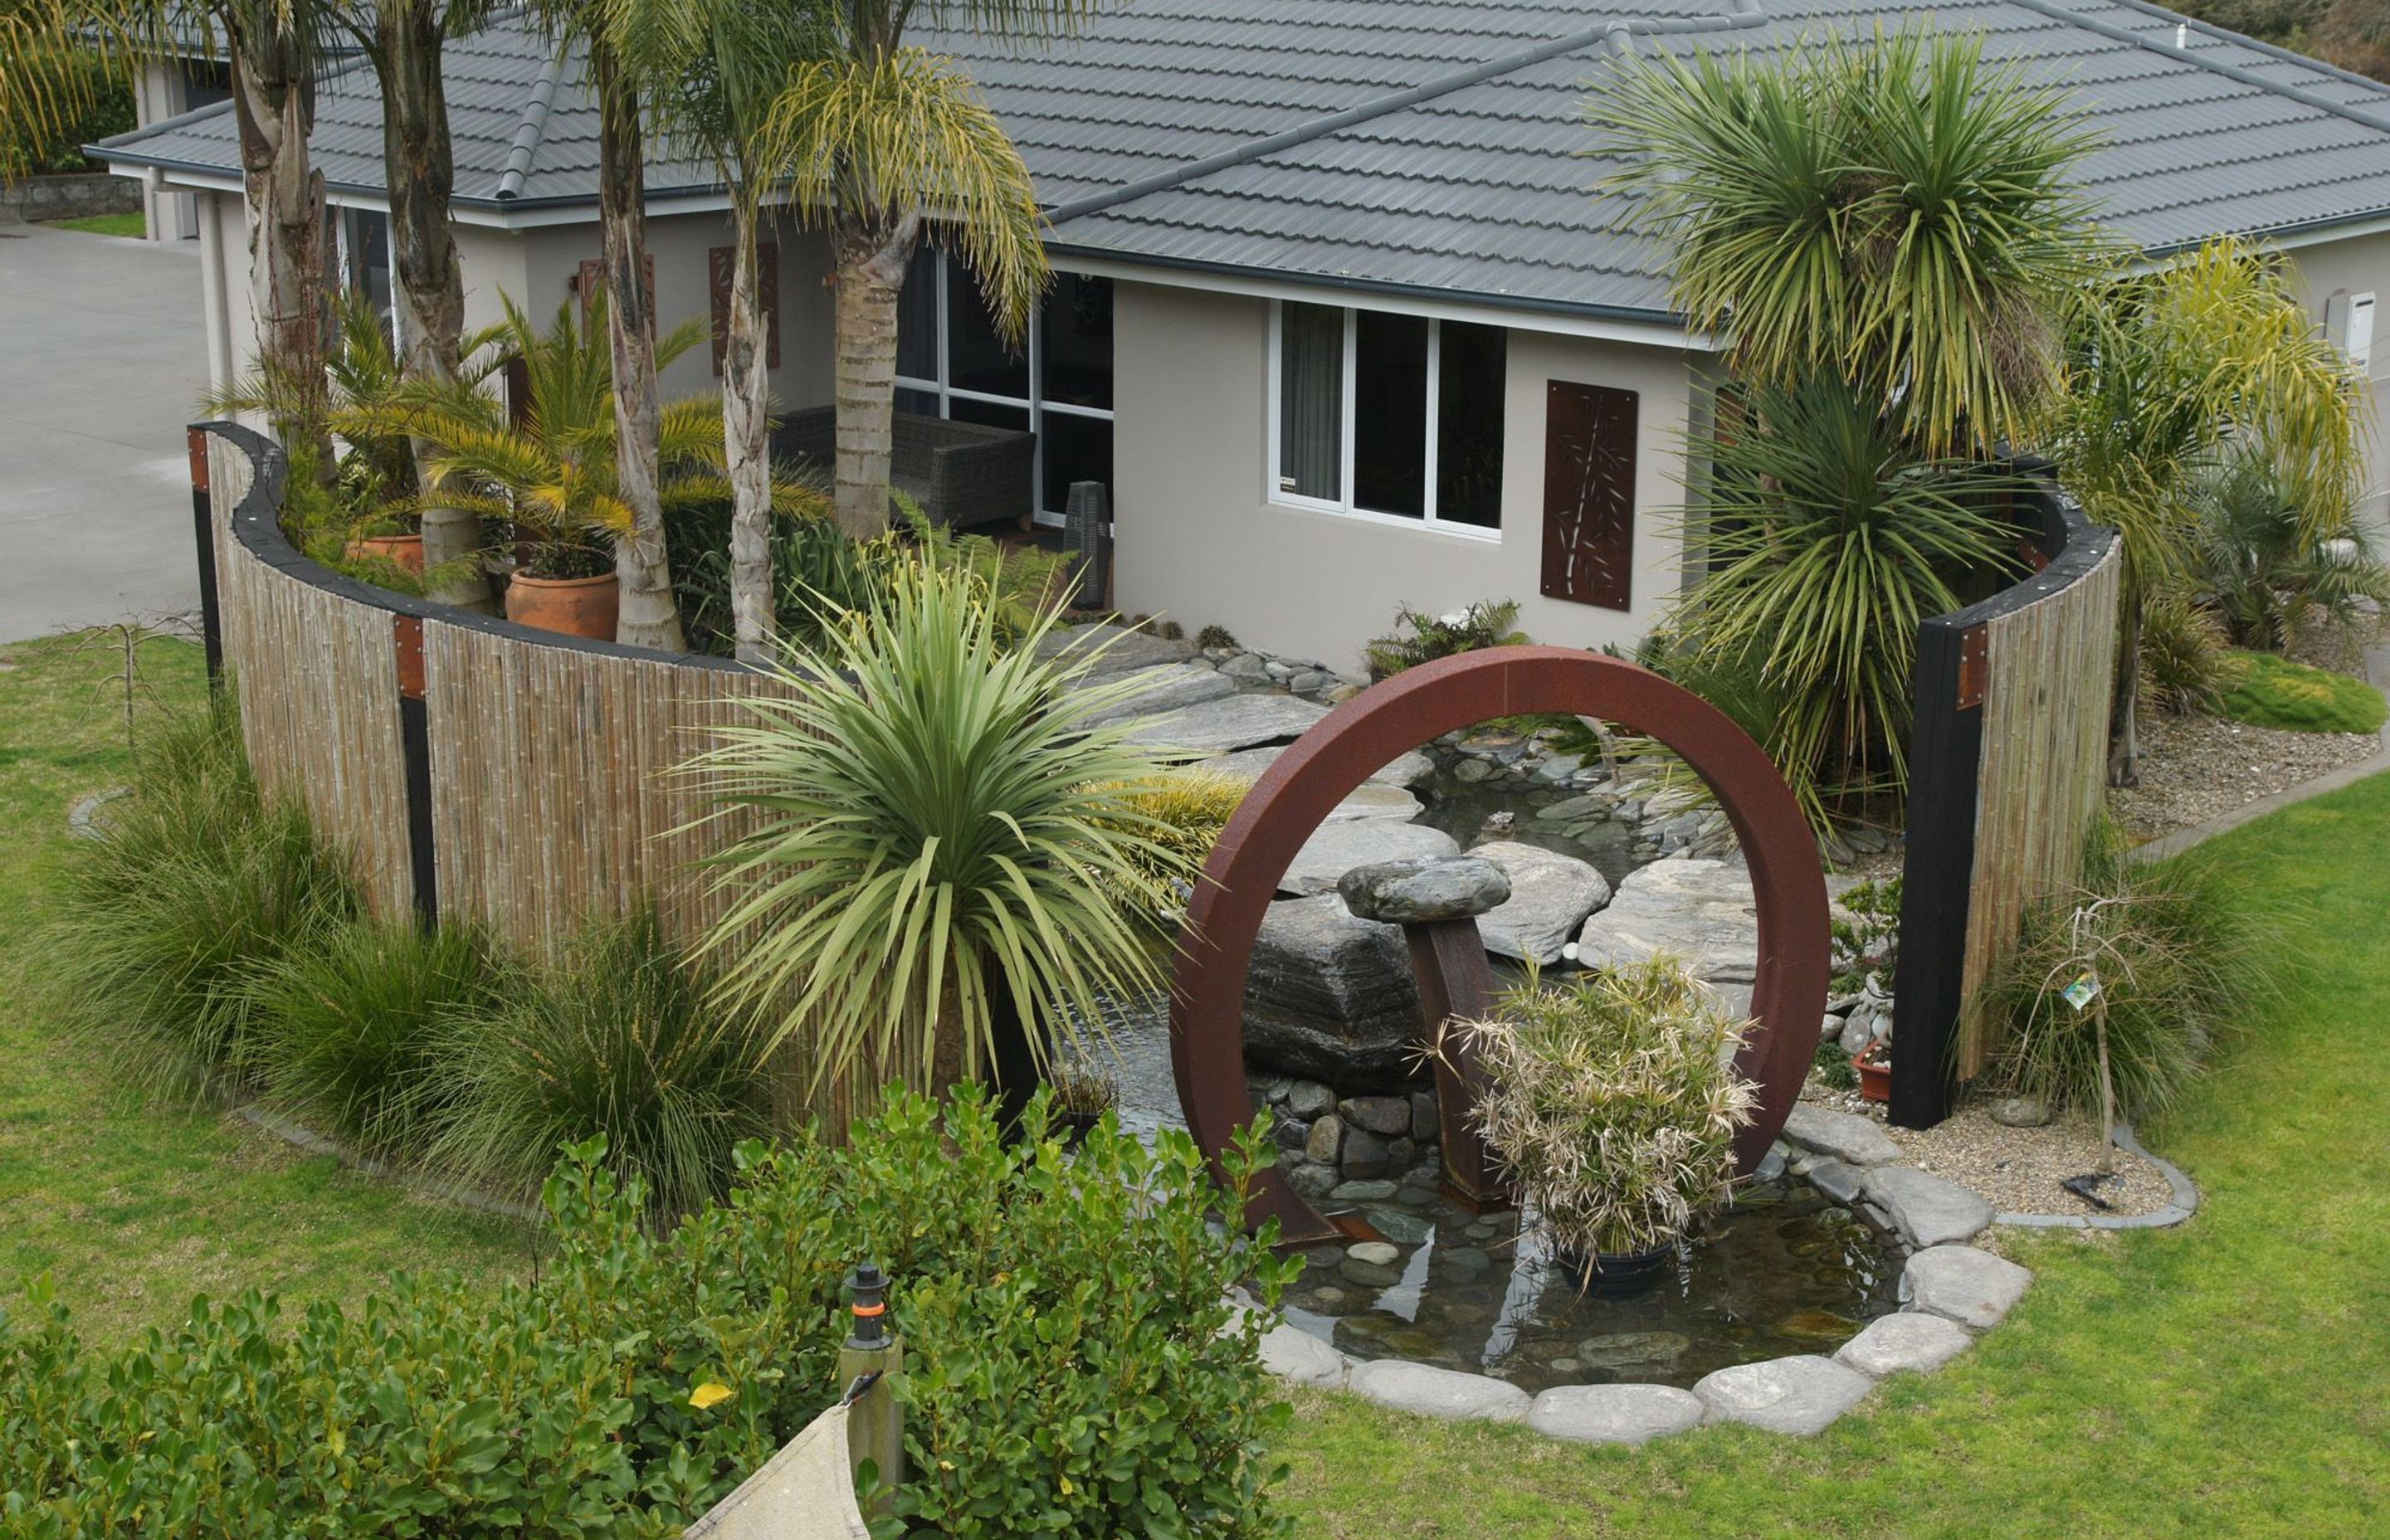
1388,418
951,362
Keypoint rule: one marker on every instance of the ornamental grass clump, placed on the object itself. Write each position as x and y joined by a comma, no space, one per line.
933,832
1612,1100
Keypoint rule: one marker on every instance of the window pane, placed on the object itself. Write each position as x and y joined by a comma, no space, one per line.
923,404
1468,425
1311,401
963,410
976,355
917,318
1078,340
1077,449
1390,414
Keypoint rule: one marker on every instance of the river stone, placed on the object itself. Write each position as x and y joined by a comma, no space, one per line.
1331,997
1246,665
1421,890
1363,1192
1369,1275
1387,1115
1595,805
1837,1180
2020,1111
1551,896
1164,688
1926,1210
1335,849
1962,1284
1308,1098
1312,1179
1365,1155
1438,1393
1402,1228
1229,723
1292,1353
1613,1414
1909,1343
1376,1252
1799,1395
1845,1135
1375,800
1403,770
1621,1350
1111,649
1426,1123
1325,1143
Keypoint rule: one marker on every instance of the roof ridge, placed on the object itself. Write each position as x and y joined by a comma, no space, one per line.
2057,11
531,130
2288,55
1738,14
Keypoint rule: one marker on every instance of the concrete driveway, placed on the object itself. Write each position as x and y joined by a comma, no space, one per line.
102,360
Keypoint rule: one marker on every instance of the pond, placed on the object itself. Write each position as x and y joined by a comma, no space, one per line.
1462,808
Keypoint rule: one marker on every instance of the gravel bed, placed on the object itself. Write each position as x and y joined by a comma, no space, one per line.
2016,1170
2195,768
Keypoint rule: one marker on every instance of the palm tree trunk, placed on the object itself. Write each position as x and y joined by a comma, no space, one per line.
649,617
285,201
2123,710
746,422
873,252
422,177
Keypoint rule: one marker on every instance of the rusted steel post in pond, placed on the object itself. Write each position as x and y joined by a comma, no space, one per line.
1207,1000
1437,900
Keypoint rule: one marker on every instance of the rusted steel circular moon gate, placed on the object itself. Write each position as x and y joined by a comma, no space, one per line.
1207,1004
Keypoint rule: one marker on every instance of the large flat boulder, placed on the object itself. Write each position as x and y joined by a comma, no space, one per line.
1962,1284
1229,723
1613,1414
1908,1342
1925,1208
1331,997
1439,1393
1701,912
1551,896
1799,1395
1337,847
1402,770
1162,687
1103,649
1292,1353
1846,1137
1369,800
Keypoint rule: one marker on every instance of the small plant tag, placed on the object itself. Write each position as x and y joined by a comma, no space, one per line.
2082,991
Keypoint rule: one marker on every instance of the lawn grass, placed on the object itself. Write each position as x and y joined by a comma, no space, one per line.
133,225
134,1209
2228,1378
2265,690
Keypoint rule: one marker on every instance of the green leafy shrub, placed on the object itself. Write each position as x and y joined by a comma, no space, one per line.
2271,564
2182,962
2185,665
1072,1364
617,1040
2268,692
1869,938
192,882
342,1025
91,98
1611,1101
1422,638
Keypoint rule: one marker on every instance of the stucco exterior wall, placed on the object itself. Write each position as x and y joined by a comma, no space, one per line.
681,244
1197,539
2331,272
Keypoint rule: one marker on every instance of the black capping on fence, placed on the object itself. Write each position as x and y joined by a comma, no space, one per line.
255,523
1944,767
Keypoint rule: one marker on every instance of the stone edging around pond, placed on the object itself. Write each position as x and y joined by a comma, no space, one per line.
1950,1293
2185,1204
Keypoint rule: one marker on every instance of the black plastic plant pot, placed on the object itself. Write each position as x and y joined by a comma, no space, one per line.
1617,1275
1076,1126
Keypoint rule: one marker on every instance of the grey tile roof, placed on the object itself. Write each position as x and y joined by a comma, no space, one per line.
1437,144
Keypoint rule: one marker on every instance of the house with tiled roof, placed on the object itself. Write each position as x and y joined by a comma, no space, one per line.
1341,320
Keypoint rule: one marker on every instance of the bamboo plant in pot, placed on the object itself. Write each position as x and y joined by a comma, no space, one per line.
1613,1102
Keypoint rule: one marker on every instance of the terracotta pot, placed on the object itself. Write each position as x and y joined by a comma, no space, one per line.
1875,1073
406,550
577,607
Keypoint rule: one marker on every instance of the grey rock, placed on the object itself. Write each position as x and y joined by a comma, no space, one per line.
1594,805
1311,681
1558,767
1271,1088
1622,1350
1387,1115
1325,1143
1400,1153
1312,1179
1335,849
1421,890
1613,1414
1279,669
1297,1356
1363,1192
1852,1034
1471,770
1465,1262
1376,1252
1404,770
1771,1165
1926,1210
1908,1343
1701,911
1800,1395
1365,1155
1838,1181
1308,1098
1376,800
1292,1135
1425,1124
1959,1283
1245,665
1230,723
1438,1393
1551,896
1164,688
2020,1111
1331,997
1104,650
1367,1275
1845,1135
1403,1229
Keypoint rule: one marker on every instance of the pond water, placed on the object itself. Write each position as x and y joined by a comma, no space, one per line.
1461,809
1785,1271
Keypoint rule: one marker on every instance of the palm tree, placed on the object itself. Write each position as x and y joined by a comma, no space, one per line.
2161,381
712,70
873,139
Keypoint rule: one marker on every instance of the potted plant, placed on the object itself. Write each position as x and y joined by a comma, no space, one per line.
1875,1066
1612,1102
1082,1094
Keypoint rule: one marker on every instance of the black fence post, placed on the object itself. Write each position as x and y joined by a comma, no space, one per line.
203,535
1939,870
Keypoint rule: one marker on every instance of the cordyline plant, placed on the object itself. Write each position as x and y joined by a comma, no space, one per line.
936,834
1612,1101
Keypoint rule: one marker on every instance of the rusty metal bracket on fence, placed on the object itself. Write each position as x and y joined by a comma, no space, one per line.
1353,742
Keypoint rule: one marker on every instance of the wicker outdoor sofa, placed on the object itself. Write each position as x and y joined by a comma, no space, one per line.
962,473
